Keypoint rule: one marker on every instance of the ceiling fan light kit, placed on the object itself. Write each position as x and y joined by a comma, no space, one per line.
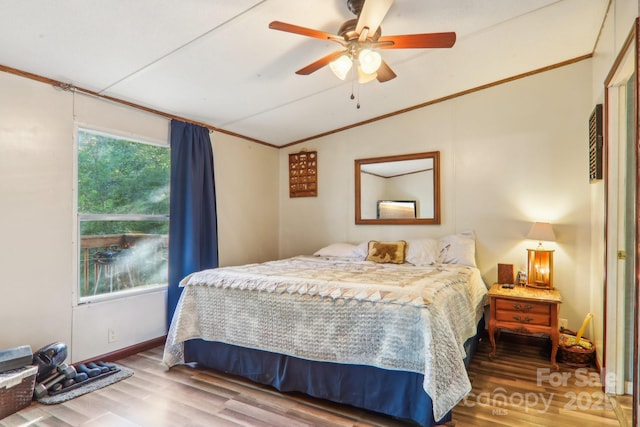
360,39
366,77
369,60
341,66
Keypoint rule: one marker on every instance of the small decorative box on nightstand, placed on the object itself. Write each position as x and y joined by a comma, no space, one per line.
526,311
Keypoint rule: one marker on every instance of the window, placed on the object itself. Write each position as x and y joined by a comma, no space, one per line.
123,214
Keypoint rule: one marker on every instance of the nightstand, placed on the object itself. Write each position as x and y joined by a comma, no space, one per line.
526,311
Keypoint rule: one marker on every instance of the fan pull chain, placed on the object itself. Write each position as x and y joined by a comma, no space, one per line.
352,97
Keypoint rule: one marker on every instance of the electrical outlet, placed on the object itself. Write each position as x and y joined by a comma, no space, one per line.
112,336
563,323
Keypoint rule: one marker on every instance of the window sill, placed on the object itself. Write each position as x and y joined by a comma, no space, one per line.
122,294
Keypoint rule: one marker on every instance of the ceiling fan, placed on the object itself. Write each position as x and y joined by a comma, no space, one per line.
361,38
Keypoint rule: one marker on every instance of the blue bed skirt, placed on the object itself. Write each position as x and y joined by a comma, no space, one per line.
395,393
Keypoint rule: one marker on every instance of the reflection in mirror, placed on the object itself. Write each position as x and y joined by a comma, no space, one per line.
401,189
397,209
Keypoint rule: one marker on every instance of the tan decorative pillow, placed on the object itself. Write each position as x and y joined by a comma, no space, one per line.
387,252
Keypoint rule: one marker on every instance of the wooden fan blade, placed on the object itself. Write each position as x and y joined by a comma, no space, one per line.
385,73
303,31
414,41
315,66
372,14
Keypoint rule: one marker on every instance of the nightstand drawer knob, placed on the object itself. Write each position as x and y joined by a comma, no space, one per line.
525,320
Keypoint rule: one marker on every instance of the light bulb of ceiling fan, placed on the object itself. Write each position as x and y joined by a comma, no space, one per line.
370,60
365,77
341,66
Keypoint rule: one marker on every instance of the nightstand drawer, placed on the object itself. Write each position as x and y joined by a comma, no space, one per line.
524,318
523,306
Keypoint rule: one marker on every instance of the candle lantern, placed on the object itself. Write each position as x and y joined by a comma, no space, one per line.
540,260
540,268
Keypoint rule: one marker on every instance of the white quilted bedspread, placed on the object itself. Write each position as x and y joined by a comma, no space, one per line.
341,310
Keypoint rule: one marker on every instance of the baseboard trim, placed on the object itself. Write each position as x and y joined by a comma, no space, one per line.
129,351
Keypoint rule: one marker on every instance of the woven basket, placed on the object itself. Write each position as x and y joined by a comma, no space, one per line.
16,390
575,354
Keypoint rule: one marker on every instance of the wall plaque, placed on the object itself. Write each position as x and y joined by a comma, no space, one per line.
303,174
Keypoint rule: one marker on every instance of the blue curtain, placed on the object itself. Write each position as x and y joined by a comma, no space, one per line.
193,230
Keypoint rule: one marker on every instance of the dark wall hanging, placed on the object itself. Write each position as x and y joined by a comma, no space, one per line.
595,144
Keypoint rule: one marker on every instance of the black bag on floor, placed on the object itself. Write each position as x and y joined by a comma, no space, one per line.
48,358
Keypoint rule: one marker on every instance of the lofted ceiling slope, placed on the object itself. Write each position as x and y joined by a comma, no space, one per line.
218,63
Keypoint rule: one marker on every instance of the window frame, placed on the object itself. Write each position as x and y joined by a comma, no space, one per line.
79,218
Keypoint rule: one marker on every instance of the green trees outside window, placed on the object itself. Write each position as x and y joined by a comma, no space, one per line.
123,213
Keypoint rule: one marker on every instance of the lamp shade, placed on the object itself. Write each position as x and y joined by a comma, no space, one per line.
341,66
364,77
370,61
542,232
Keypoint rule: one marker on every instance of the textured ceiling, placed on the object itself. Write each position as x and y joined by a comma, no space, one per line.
218,63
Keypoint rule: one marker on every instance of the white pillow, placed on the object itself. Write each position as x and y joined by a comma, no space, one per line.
457,249
362,250
337,249
422,251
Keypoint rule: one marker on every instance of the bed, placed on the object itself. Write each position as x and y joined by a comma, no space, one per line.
384,336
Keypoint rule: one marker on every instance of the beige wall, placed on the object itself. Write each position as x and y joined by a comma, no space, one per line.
247,194
36,136
510,155
38,254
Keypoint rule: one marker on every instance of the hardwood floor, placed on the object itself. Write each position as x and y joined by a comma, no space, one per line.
516,389
623,407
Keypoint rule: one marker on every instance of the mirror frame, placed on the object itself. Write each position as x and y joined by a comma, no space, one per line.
435,155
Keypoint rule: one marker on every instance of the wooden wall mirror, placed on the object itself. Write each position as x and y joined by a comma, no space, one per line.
402,189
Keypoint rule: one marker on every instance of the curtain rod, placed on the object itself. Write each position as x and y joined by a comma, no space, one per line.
69,87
